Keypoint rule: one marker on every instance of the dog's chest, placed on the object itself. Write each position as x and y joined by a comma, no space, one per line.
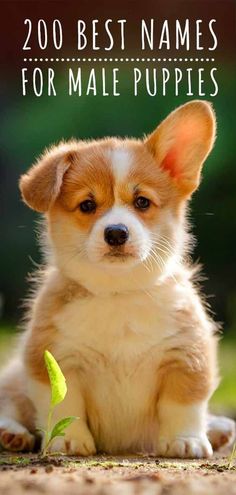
112,330
117,344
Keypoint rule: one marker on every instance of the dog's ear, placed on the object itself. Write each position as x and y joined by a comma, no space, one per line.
182,142
41,185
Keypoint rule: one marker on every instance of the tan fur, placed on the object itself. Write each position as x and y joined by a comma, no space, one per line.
192,365
126,324
14,391
187,374
181,140
41,187
96,176
56,292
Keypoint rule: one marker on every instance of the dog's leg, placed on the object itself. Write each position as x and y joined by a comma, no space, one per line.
182,433
221,431
182,430
78,439
16,410
186,381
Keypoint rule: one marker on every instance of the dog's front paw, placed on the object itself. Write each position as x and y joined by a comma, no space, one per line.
77,441
184,447
15,437
221,431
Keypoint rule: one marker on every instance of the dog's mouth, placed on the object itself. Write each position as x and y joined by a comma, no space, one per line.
117,254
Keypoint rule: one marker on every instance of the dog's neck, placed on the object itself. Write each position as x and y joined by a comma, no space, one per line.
101,281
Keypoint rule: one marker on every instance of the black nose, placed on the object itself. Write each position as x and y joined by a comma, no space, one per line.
116,235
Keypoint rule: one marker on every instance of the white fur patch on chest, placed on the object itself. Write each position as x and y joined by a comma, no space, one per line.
116,342
123,328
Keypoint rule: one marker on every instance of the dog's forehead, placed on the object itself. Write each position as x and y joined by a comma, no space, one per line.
114,166
128,162
115,160
121,161
132,165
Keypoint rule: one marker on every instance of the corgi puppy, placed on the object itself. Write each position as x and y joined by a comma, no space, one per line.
116,304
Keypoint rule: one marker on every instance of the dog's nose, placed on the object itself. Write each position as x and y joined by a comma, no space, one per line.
116,235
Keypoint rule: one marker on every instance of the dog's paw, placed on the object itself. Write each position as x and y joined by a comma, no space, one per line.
76,442
14,437
221,431
185,447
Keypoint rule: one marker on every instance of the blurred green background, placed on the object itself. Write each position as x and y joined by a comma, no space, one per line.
29,124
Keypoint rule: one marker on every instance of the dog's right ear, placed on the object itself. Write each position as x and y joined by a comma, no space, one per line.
41,185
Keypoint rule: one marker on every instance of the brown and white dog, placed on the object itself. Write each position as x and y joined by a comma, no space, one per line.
116,305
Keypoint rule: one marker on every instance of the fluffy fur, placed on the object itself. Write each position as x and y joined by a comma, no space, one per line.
125,323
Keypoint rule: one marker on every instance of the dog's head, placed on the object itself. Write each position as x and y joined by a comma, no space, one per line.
116,205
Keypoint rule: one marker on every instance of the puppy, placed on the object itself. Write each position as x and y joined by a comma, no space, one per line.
116,304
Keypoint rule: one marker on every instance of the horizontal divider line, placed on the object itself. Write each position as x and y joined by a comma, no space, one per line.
66,59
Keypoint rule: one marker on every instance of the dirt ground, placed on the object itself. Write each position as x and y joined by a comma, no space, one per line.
103,475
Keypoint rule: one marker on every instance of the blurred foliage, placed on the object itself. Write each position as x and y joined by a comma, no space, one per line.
29,124
224,398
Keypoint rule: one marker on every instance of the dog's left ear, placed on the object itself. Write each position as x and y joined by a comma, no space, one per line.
182,142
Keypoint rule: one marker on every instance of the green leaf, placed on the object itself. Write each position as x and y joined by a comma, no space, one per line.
57,379
60,427
41,429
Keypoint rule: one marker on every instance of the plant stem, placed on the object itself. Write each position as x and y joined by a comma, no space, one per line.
232,456
48,431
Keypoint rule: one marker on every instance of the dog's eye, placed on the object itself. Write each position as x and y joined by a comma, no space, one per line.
87,206
142,203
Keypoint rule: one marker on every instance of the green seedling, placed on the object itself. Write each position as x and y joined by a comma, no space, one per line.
232,457
58,393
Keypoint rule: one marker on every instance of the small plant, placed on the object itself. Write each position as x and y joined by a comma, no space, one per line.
58,393
232,457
